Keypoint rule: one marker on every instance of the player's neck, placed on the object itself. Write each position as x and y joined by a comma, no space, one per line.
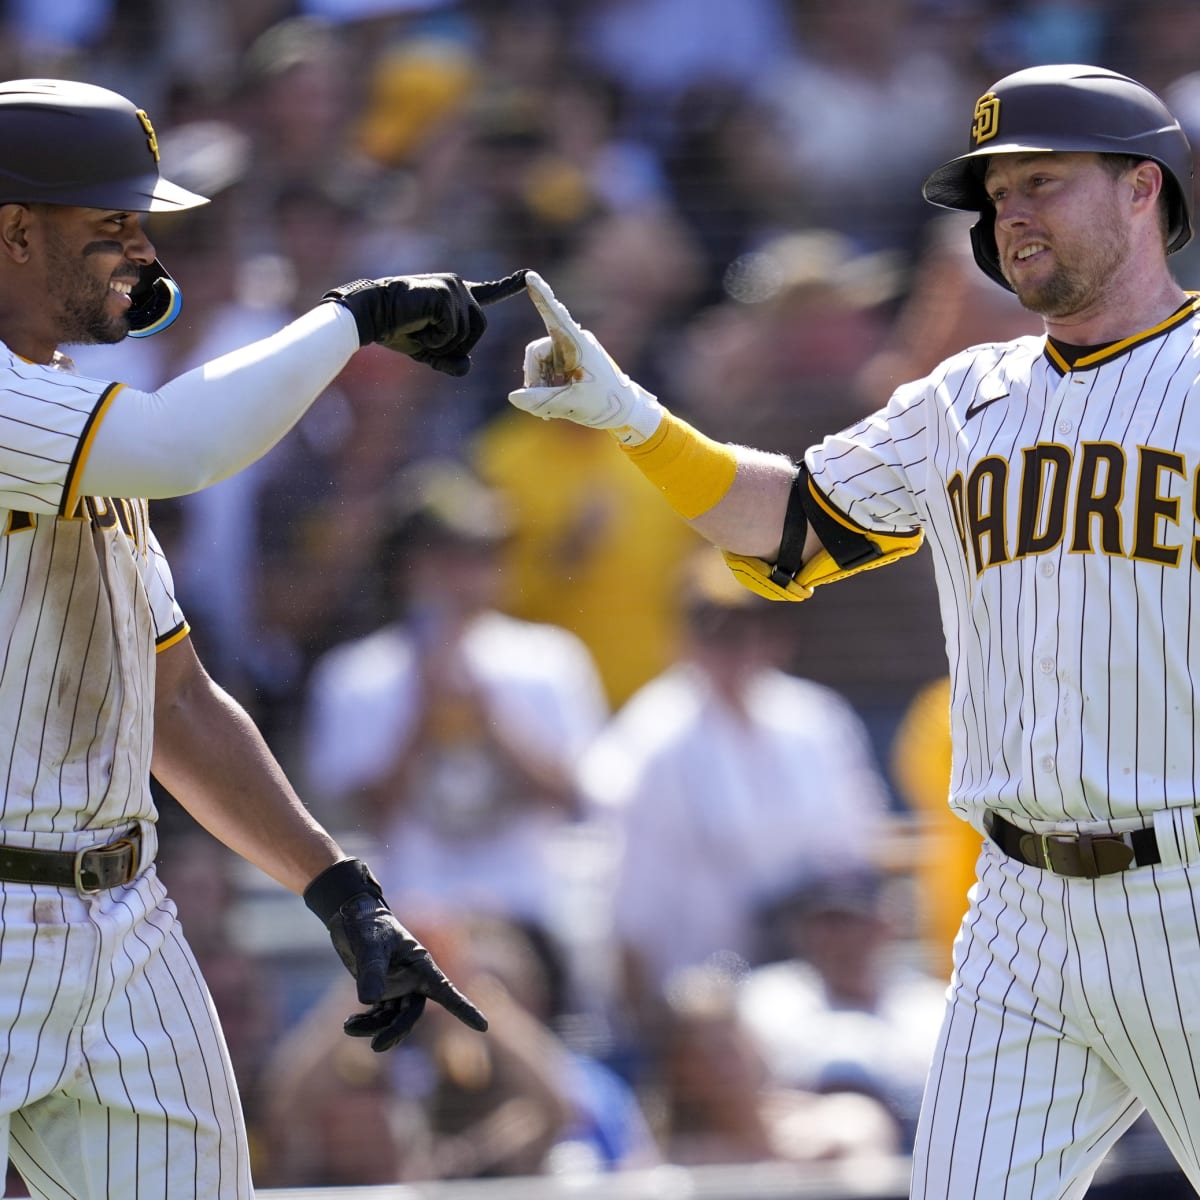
1122,312
32,351
26,335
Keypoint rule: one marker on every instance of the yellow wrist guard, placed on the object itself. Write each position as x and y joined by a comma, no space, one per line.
690,470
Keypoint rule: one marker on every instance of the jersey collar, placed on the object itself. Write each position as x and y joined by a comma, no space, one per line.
1065,358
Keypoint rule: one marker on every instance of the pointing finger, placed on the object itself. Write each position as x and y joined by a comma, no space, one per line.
499,289
455,1003
564,330
554,311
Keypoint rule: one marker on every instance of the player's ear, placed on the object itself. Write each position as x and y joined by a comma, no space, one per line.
1147,183
14,231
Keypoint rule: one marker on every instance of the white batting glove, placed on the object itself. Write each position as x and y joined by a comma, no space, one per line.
570,375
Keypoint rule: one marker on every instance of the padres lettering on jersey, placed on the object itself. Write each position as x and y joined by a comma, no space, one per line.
1061,503
1061,494
130,516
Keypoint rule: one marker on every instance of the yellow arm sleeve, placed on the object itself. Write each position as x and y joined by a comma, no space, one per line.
690,470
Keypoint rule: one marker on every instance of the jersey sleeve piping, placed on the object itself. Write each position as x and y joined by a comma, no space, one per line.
172,637
83,448
827,506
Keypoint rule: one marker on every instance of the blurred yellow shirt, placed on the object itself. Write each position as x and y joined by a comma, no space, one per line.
596,548
947,847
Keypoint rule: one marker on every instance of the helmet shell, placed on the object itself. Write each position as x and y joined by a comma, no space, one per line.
63,142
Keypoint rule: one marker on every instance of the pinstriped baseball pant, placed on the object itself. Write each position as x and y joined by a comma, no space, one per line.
114,1075
1074,1006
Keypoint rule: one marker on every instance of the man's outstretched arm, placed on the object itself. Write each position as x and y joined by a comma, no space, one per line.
218,418
780,536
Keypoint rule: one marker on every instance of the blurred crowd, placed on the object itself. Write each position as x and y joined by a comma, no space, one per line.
687,848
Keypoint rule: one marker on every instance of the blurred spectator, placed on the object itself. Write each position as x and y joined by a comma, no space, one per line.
658,49
845,1012
320,503
588,127
1032,32
728,179
592,548
297,96
720,1104
606,1129
635,278
443,1105
861,108
727,781
946,847
417,86
775,362
1154,42
452,729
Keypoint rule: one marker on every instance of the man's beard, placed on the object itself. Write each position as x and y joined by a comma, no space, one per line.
82,300
1070,290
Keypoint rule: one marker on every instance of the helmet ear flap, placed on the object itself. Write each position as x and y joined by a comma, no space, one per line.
154,302
987,253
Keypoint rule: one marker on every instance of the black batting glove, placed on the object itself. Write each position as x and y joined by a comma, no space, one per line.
434,319
395,974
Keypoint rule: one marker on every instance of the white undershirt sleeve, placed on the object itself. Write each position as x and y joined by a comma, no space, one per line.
218,418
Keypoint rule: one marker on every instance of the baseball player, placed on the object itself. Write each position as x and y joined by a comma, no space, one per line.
1057,480
114,1077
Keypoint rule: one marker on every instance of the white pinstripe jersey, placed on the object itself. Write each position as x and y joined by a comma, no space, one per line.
86,599
1062,509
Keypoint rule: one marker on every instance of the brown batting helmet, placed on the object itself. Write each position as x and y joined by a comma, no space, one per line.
1066,108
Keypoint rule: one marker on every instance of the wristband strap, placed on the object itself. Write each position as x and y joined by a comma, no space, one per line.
691,470
339,883
358,309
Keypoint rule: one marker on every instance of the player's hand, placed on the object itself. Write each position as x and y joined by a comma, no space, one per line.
434,319
395,974
568,374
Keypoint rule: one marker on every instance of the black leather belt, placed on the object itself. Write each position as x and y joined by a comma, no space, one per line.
1080,855
94,869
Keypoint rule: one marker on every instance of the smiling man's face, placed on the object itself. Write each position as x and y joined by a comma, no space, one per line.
1061,232
92,260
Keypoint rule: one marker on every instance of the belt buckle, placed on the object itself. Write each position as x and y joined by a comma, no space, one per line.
77,865
77,872
1044,839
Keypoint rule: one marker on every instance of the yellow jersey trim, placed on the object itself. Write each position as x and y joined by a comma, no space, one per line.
172,637
1115,349
83,448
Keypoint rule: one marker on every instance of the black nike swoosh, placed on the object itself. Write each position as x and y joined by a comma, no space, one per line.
977,406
